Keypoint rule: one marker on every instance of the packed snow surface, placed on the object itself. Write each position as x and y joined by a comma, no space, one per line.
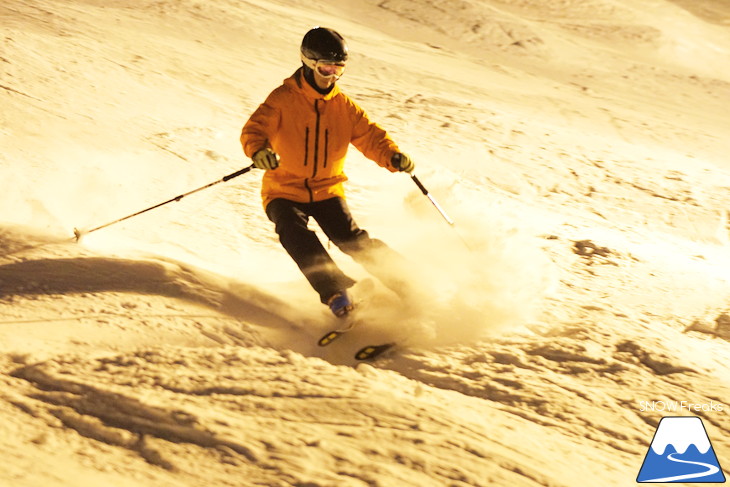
582,294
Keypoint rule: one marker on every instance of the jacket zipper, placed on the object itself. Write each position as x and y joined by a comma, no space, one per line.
326,145
311,195
316,138
316,150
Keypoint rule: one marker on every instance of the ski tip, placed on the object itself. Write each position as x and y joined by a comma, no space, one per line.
328,338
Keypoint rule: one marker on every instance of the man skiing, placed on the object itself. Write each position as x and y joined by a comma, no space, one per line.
300,136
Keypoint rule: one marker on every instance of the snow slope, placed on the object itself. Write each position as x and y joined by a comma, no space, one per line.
579,146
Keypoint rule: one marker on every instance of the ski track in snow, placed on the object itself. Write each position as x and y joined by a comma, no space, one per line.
579,146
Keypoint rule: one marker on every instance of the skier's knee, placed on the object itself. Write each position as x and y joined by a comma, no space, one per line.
357,242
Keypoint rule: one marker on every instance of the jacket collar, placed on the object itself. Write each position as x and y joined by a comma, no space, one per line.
299,84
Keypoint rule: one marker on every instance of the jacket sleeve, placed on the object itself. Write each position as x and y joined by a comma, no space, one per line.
370,139
263,123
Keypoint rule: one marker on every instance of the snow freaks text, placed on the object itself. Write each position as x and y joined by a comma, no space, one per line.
680,406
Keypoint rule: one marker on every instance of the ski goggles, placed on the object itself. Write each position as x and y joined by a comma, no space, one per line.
328,69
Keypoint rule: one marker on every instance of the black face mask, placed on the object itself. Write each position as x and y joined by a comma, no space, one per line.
309,76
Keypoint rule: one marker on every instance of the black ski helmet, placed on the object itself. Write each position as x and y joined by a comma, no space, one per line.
325,44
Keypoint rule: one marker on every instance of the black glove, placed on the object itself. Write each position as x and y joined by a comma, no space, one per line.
266,159
402,162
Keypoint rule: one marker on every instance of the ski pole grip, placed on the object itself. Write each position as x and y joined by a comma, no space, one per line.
419,184
237,173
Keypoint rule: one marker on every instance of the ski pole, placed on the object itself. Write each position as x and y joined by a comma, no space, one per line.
80,233
441,210
431,198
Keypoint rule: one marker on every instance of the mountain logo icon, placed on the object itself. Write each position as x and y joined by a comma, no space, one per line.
681,452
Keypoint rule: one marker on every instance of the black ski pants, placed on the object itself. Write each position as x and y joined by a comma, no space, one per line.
333,216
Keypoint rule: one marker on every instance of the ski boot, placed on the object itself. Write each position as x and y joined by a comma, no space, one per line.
340,304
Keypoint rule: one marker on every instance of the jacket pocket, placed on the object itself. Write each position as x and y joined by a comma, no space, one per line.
326,145
306,145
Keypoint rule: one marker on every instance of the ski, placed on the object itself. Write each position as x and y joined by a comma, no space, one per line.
333,335
371,352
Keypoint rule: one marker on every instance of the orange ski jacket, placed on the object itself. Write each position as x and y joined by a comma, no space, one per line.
311,133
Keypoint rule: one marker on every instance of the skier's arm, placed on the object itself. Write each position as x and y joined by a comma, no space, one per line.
370,139
264,121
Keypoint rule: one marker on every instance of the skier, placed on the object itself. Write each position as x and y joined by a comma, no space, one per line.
300,136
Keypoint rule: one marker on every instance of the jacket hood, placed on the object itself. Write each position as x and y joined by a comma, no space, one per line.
297,83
